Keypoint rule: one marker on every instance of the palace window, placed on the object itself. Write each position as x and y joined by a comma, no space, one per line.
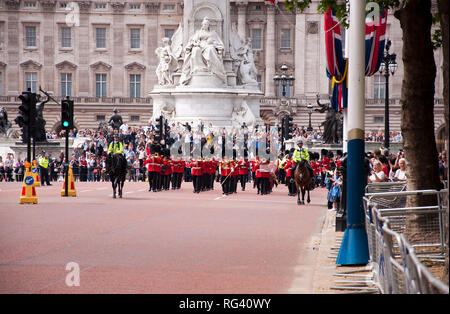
100,85
1,83
66,37
259,80
135,38
66,84
285,39
287,90
168,7
29,4
135,6
256,38
100,37
31,81
30,36
135,85
379,87
100,5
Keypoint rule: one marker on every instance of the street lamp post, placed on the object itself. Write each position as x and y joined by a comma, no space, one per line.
309,128
388,67
284,79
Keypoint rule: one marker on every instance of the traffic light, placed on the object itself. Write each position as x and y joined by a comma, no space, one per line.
159,129
289,127
26,119
67,114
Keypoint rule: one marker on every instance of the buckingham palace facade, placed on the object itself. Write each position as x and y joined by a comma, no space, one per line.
106,58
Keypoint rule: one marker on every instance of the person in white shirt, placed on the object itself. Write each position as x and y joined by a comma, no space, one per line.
377,174
400,174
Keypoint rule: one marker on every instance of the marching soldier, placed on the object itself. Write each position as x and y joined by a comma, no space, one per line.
264,174
255,167
243,172
157,173
290,177
225,173
150,162
196,175
234,175
166,172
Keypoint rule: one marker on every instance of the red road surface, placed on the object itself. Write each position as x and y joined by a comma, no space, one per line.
165,242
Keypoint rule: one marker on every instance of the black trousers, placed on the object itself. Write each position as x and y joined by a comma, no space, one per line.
226,184
243,179
264,186
44,175
197,183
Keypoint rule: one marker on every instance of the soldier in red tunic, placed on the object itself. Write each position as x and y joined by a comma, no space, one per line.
290,176
149,162
225,174
157,173
255,166
234,175
196,175
243,172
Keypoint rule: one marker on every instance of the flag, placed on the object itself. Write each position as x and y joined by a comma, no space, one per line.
273,1
336,65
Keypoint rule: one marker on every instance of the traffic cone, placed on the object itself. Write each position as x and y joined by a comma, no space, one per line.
35,171
71,191
28,188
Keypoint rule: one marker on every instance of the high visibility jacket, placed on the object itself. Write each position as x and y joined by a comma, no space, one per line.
300,154
115,148
43,162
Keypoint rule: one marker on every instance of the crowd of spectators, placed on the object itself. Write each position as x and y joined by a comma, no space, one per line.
87,158
378,136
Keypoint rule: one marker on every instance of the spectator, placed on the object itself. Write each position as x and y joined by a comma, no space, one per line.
400,174
377,174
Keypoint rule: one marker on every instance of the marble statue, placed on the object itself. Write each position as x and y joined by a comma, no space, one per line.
247,69
167,65
242,113
203,53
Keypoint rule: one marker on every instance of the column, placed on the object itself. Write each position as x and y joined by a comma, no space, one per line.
300,40
354,249
119,31
270,51
83,51
242,10
47,31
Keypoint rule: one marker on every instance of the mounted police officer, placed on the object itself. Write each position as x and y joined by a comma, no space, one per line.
300,153
116,146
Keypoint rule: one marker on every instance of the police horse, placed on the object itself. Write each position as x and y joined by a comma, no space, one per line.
116,167
303,181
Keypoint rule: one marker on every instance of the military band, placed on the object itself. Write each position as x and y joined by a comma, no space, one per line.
165,173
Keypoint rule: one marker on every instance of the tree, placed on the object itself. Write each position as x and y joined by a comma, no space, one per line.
417,95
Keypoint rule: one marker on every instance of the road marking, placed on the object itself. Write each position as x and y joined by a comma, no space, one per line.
86,191
104,188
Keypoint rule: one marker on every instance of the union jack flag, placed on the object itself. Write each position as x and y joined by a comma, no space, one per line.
336,68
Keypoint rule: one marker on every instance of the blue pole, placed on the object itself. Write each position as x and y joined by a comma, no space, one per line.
354,248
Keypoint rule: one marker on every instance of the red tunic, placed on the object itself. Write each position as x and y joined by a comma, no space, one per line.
243,167
196,168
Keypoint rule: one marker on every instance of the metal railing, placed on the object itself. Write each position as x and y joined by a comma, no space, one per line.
406,244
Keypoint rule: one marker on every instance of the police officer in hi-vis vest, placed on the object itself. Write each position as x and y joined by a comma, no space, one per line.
43,168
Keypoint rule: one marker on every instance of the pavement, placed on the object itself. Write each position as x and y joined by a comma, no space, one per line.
167,242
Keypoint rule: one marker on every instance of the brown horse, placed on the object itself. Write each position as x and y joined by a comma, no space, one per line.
303,181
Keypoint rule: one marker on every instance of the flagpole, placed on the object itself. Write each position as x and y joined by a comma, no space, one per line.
354,248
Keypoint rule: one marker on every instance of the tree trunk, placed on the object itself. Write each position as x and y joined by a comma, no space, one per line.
417,99
443,7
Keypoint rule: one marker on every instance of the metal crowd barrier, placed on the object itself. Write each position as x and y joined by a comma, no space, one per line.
400,265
